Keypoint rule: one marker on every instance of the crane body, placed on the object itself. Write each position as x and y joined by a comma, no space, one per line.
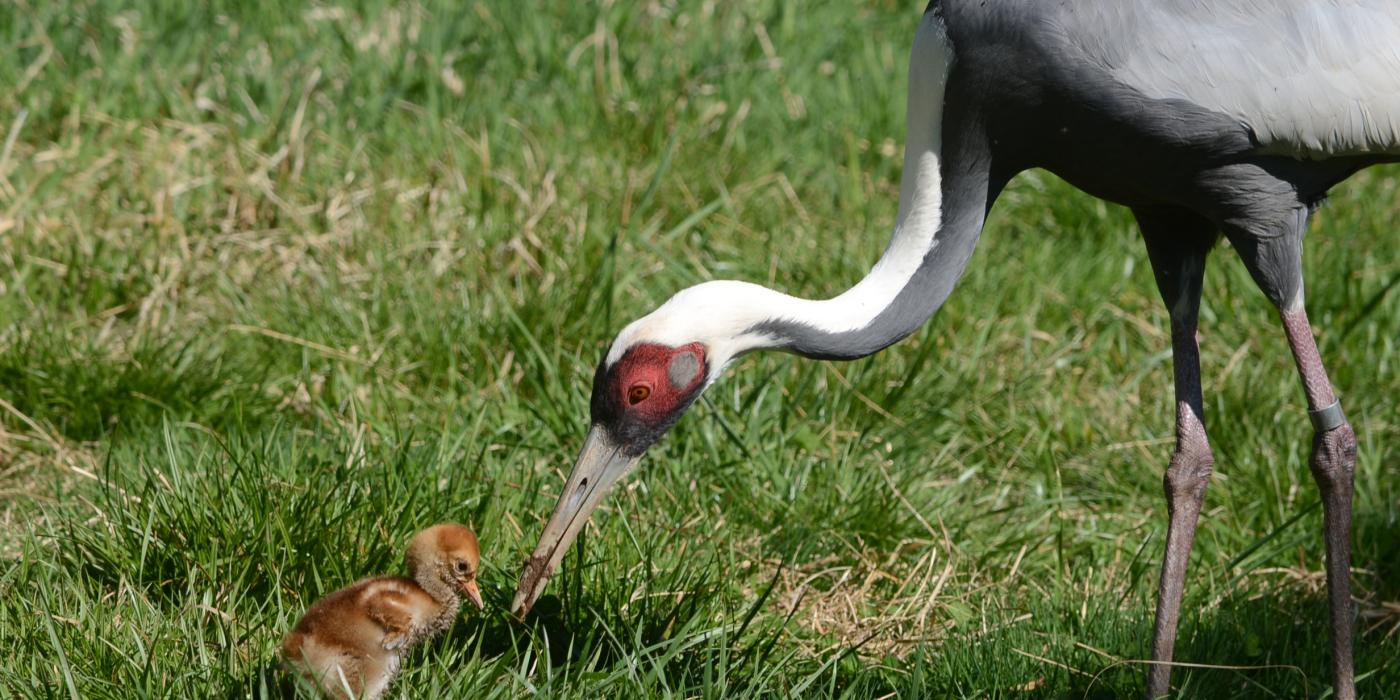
1204,118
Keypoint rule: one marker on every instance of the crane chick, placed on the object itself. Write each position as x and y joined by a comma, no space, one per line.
350,643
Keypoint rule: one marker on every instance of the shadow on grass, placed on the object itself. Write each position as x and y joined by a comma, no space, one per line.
588,625
1375,534
1269,638
1273,644
582,640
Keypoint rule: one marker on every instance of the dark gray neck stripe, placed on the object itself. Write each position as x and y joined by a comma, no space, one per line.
967,194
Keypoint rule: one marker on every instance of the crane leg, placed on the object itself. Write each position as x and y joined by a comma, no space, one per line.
1333,466
1273,255
1177,245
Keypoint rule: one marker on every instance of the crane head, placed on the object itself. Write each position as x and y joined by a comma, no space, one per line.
635,401
640,396
656,368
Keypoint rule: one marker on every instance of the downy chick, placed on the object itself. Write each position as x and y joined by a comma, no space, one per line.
350,643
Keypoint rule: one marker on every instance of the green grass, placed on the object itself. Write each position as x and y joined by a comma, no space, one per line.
282,283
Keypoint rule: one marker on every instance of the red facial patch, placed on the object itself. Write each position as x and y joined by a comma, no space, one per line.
655,379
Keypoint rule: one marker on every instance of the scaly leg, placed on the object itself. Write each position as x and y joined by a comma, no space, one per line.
1177,244
1333,465
1269,239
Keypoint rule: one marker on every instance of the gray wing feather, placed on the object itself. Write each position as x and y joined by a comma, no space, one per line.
1307,77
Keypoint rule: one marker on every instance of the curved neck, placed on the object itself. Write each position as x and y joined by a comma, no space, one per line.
943,198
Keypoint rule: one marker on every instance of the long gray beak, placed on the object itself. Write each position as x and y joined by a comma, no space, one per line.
600,464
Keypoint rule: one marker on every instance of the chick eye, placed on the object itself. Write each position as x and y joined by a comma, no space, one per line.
461,567
638,393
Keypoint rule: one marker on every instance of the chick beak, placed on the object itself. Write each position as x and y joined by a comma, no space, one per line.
473,594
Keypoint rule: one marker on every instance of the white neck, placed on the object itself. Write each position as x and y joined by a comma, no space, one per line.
724,314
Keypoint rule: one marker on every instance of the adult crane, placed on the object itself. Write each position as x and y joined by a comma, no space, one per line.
1203,117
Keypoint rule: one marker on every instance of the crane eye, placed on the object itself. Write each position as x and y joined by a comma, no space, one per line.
638,393
461,567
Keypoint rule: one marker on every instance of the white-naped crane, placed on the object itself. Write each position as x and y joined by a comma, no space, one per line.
1202,116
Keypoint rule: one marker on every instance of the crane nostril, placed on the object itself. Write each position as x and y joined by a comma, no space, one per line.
583,483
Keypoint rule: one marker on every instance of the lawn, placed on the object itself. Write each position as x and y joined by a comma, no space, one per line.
282,283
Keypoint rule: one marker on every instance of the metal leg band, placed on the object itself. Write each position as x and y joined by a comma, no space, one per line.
1328,417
